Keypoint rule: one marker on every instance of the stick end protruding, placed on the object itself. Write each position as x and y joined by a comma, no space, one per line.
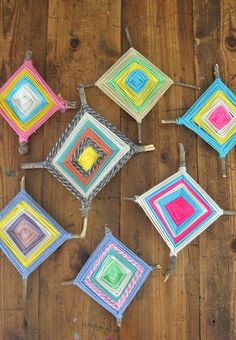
216,71
23,148
28,55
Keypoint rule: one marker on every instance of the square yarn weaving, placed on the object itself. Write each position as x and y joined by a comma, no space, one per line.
134,83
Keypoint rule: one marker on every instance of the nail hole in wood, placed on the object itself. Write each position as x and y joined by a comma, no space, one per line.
164,157
74,43
230,42
25,323
233,245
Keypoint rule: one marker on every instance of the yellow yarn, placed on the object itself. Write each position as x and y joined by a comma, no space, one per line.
3,104
198,118
137,98
50,231
88,157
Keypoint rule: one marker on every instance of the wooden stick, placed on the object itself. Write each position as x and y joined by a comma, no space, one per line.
119,322
89,85
223,167
229,212
25,284
23,148
216,71
84,229
157,266
36,165
71,104
67,283
187,85
146,148
182,162
107,228
129,199
139,125
168,121
128,36
22,183
28,55
82,94
171,266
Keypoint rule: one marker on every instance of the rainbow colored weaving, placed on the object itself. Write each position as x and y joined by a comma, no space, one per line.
113,275
213,117
26,101
134,83
28,234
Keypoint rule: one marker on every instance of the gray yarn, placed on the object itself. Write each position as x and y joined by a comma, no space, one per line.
48,162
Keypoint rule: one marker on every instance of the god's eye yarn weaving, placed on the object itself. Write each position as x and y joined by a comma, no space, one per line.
113,275
26,101
179,209
134,83
213,117
28,234
88,154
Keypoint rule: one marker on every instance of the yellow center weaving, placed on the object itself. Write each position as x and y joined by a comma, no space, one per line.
88,157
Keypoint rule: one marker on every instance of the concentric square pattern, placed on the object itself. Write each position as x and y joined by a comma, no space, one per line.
88,154
134,83
26,101
179,209
213,117
112,275
28,235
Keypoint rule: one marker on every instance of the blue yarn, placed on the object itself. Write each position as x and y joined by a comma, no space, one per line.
187,119
171,224
26,81
79,280
25,272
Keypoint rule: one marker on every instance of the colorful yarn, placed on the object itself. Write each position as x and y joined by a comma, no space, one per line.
113,275
28,234
26,101
179,209
134,83
88,154
213,117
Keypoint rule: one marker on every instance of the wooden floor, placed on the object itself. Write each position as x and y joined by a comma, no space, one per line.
75,42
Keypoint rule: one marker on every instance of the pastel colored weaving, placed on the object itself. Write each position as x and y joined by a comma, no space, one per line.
26,101
134,83
213,117
179,209
113,275
28,234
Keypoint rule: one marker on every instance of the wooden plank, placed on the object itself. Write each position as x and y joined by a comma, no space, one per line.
23,26
228,48
164,34
217,279
83,41
75,42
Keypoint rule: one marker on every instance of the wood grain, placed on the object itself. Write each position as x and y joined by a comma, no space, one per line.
75,42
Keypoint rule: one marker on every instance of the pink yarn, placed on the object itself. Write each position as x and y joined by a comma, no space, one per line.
194,224
59,104
116,305
220,117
